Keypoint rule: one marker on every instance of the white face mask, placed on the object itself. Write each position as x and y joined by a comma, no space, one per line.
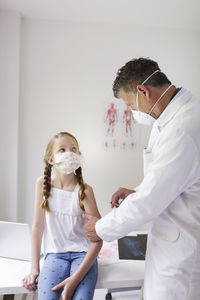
67,162
142,117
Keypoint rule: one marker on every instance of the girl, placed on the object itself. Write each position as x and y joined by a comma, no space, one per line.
70,265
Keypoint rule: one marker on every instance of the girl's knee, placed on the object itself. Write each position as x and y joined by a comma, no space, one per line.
83,294
48,295
85,290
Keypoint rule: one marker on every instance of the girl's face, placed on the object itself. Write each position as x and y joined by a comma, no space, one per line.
64,144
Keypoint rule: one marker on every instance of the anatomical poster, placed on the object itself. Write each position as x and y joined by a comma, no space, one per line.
120,128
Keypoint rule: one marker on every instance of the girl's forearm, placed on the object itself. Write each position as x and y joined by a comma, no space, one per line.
35,248
88,261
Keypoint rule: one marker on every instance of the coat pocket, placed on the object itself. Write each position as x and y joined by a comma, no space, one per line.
165,229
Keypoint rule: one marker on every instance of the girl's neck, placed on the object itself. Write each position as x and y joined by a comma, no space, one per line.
65,181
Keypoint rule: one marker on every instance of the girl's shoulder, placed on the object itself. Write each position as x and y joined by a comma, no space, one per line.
88,190
89,194
89,202
39,181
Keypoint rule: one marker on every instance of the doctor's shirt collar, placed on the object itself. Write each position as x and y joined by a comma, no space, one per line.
173,107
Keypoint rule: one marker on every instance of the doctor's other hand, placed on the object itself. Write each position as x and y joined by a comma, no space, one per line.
119,196
30,281
90,228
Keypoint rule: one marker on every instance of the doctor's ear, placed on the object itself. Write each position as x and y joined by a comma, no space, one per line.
144,90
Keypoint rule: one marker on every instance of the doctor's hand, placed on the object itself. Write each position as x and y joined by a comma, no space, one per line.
90,228
119,196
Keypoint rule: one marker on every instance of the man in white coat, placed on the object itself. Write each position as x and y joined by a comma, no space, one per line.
169,195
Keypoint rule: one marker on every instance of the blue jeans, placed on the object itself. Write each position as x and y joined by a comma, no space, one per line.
59,266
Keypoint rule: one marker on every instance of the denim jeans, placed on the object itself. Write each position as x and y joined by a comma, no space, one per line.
59,266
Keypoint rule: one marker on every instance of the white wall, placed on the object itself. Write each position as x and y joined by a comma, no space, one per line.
9,99
67,72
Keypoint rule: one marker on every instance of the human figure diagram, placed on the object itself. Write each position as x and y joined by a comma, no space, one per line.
112,119
129,121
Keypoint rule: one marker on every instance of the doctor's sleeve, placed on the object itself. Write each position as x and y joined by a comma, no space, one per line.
171,171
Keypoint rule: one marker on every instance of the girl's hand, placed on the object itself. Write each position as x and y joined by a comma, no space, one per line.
30,281
68,285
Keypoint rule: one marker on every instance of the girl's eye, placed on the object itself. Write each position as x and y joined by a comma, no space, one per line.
74,149
62,150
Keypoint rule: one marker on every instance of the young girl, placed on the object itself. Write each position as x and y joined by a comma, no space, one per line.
70,265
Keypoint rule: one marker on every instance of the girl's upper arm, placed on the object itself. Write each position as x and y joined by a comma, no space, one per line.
90,204
39,213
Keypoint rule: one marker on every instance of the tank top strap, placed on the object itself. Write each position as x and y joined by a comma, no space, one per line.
77,187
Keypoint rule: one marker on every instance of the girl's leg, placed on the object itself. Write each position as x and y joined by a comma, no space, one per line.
85,290
55,269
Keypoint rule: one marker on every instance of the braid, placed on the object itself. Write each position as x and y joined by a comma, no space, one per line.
82,186
46,187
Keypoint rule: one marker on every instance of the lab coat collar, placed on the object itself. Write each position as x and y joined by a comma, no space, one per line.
172,108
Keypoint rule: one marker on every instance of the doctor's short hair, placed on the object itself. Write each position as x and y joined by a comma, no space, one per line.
135,72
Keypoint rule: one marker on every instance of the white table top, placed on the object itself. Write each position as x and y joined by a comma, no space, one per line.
112,274
120,274
11,273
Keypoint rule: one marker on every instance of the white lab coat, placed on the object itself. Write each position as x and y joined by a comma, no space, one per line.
168,198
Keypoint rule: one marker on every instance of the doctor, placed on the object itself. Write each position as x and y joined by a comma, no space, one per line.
169,195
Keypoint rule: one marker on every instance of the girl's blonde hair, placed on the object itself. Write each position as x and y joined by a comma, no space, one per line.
48,169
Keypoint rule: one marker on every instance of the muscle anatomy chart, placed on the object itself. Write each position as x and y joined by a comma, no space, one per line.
129,121
119,127
111,119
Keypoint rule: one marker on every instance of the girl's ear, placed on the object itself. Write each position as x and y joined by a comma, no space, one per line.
50,160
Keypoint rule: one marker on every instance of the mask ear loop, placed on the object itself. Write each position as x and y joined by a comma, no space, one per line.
150,76
159,99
